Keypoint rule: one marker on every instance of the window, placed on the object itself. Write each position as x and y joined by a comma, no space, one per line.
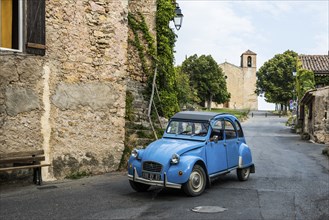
13,27
230,132
218,130
310,110
188,128
249,61
239,130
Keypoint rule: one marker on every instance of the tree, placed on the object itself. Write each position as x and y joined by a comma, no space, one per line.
206,78
186,94
276,79
304,81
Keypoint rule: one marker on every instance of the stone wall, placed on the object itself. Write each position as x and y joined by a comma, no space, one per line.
137,79
71,102
319,126
234,77
250,97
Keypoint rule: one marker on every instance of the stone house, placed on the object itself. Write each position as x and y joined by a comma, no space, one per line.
314,113
319,65
314,105
241,82
64,74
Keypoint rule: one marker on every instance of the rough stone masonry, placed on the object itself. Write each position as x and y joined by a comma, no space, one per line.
71,102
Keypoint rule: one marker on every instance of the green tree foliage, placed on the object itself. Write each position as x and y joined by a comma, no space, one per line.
206,78
186,94
304,81
276,79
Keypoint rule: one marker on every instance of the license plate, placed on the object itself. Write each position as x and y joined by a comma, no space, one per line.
151,176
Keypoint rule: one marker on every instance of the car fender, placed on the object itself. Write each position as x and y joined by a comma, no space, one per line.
134,163
245,159
180,173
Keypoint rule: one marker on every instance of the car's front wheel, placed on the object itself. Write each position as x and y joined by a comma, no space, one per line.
196,182
139,187
243,174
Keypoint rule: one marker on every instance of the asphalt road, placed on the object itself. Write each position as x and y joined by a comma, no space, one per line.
291,182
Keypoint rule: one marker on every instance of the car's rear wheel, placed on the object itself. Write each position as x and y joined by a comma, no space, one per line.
196,182
139,187
243,174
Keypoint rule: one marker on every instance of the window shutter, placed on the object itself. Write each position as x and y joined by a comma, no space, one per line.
36,27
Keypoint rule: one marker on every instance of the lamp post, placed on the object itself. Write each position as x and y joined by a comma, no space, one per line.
178,19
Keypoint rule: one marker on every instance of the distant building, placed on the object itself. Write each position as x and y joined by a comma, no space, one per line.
241,82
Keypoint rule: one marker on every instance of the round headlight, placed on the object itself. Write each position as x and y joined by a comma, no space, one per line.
134,153
175,159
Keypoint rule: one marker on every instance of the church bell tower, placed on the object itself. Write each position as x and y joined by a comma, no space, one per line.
249,68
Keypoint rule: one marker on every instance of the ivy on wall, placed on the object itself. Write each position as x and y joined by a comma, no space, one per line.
146,45
166,39
322,80
158,53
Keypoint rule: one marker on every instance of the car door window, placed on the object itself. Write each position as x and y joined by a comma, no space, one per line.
230,132
218,129
239,129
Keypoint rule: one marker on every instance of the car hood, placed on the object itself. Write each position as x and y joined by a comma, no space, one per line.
162,150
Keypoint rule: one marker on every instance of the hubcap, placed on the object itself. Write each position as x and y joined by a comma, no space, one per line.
196,181
246,172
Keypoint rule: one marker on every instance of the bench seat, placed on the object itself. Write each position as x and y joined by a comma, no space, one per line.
24,160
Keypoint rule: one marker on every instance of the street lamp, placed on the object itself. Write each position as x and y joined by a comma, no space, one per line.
178,19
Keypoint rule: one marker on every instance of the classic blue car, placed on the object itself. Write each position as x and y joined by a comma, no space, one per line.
195,148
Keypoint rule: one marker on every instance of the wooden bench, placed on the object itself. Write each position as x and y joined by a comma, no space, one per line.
24,160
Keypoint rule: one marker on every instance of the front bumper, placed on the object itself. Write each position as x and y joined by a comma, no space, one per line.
163,183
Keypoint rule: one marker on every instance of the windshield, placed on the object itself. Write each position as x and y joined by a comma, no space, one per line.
188,128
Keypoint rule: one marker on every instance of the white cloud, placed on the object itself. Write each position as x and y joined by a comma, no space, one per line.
225,29
213,28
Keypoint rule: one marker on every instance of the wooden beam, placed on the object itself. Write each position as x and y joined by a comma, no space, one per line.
23,167
22,154
28,159
36,46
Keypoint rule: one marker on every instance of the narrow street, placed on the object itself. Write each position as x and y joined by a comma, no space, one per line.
291,182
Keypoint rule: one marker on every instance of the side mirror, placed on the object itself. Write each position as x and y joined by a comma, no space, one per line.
214,138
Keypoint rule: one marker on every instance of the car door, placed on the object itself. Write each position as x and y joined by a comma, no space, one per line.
231,143
215,150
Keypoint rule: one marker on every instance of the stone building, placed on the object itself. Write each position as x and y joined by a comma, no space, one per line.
241,82
314,113
319,65
64,71
314,105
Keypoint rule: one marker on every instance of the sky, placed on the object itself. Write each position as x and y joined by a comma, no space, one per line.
226,29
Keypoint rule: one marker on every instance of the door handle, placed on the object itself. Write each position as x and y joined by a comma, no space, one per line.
224,144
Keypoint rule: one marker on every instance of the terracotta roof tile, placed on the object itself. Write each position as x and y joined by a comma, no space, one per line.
249,52
319,64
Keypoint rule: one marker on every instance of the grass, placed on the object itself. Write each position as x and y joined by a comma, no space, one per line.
240,114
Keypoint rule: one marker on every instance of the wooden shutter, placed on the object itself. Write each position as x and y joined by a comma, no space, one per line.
36,27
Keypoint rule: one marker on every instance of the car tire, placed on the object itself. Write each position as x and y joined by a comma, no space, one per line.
139,187
243,174
196,182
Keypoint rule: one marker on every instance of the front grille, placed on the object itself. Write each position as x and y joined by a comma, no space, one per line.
152,167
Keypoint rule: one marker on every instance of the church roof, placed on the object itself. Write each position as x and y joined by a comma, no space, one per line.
319,64
231,64
249,52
